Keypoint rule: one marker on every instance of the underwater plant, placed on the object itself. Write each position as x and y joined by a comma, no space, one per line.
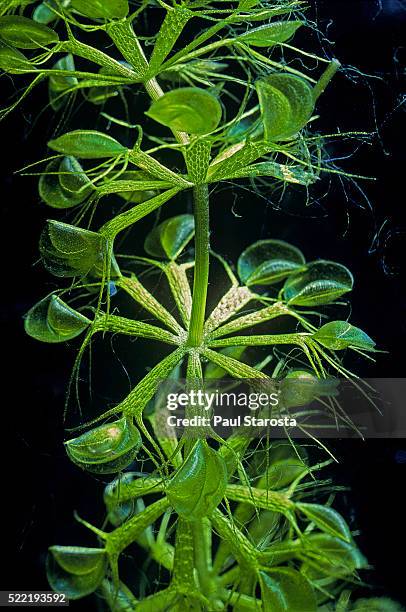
227,522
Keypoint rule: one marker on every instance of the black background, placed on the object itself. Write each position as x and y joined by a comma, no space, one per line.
40,487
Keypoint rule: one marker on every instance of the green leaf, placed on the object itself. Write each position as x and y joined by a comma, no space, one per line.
77,560
69,251
13,61
278,466
286,103
199,485
60,83
87,144
268,261
286,590
99,95
44,14
25,33
321,283
74,570
282,473
169,238
300,387
102,9
339,335
51,185
120,511
51,320
106,449
119,600
330,556
327,520
187,109
72,177
270,34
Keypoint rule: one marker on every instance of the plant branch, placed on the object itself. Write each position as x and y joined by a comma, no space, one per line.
201,272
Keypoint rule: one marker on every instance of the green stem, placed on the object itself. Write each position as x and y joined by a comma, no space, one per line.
202,554
325,78
201,273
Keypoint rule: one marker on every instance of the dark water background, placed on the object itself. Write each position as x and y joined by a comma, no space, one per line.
40,486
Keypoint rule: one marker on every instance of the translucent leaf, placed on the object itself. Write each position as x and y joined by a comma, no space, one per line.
327,520
78,560
75,571
278,466
187,109
100,95
60,83
321,283
51,190
282,473
270,34
200,483
300,387
43,13
339,335
281,450
119,512
25,33
268,261
87,144
106,449
286,590
72,176
69,251
169,238
286,103
13,61
331,557
102,9
119,600
263,527
51,320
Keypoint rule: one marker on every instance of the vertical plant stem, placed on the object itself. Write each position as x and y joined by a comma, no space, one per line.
184,556
201,275
202,553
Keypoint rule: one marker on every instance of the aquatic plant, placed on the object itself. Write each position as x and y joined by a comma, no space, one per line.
228,522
